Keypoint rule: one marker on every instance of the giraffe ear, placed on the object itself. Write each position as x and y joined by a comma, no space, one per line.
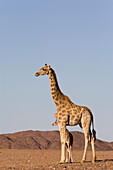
49,66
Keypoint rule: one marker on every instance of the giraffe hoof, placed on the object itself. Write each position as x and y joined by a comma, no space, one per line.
82,161
61,162
71,160
93,161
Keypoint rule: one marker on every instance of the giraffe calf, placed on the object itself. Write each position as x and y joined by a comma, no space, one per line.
69,143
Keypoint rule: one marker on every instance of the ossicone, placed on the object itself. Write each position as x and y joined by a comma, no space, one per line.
50,66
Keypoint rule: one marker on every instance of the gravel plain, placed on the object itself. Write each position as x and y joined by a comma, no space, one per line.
49,159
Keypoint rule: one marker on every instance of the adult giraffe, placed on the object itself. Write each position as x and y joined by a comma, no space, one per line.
69,114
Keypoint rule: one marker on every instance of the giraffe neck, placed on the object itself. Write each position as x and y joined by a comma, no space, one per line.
55,90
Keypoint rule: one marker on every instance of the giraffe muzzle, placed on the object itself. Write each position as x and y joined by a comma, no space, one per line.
37,74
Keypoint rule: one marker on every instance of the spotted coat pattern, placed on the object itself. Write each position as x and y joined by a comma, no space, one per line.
69,114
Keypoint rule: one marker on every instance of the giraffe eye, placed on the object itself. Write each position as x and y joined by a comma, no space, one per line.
44,69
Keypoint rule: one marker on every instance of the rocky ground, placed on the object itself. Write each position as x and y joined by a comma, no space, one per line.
49,159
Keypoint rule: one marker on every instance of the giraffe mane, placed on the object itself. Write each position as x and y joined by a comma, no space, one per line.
57,85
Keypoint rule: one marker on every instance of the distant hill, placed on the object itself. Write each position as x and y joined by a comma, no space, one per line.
46,140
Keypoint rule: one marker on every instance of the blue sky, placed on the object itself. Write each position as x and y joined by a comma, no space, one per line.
76,38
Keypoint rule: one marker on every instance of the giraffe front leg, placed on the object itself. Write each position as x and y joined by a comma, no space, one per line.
55,123
62,128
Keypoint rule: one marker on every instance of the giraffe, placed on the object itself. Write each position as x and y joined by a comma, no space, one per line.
68,143
69,114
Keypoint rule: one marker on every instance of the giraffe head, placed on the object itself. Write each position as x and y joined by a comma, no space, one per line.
44,70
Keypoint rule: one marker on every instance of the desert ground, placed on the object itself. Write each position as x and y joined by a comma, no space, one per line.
49,159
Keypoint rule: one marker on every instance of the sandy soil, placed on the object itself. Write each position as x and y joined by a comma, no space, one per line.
49,159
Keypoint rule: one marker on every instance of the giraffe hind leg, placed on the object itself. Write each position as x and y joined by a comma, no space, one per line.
70,155
85,148
87,135
67,154
93,148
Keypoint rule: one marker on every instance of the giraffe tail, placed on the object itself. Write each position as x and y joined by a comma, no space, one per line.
93,130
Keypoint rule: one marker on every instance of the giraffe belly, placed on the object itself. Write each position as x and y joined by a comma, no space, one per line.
74,120
71,123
